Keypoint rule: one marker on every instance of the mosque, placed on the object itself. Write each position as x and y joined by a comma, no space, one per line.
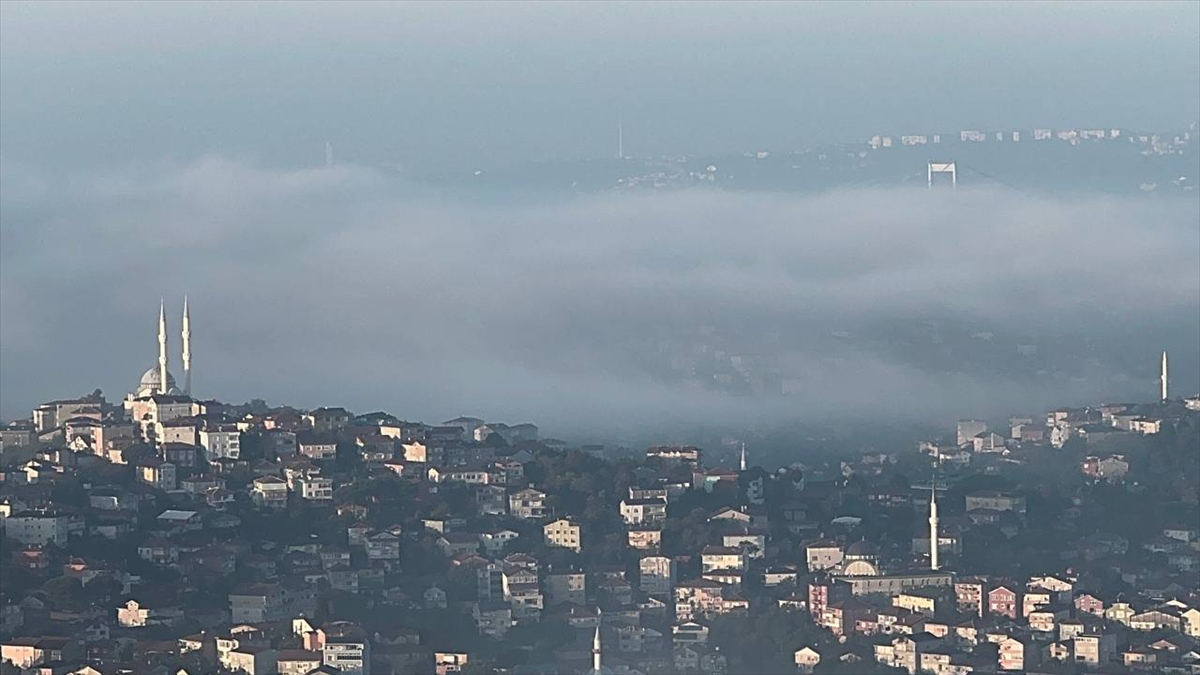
158,379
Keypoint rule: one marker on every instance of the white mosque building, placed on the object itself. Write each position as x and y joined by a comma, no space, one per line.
158,379
158,398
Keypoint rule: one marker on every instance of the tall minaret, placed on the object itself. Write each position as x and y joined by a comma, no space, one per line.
620,138
1163,377
933,527
596,650
162,348
743,463
187,349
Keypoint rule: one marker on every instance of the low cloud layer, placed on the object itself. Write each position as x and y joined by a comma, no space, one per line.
339,286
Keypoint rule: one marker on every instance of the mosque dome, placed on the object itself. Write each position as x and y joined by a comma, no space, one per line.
861,549
150,383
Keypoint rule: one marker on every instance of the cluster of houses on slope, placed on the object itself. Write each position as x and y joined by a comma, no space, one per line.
513,558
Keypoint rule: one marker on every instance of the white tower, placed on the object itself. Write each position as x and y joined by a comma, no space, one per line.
1163,377
620,138
933,528
743,463
162,348
596,650
187,349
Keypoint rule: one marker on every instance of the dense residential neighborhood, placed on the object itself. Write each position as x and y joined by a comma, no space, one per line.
175,535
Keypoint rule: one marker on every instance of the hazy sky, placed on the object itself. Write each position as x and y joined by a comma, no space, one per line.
446,84
157,149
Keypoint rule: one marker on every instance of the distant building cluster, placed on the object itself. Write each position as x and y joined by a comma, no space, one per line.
1154,144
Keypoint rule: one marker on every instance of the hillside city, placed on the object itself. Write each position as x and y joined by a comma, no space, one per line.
170,534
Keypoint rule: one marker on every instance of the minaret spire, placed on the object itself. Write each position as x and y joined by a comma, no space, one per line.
596,650
162,347
743,462
187,349
620,137
1163,377
933,526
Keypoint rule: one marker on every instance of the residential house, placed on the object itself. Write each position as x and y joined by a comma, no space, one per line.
969,594
384,547
527,503
987,441
491,500
495,541
806,659
297,661
347,648
995,501
519,586
39,527
722,558
252,660
270,492
156,473
1095,648
647,538
140,614
1045,619
1004,600
327,419
644,511
449,661
902,652
315,488
28,652
657,574
566,586
316,447
685,454
752,542
968,430
256,603
453,544
1140,658
1110,469
823,555
221,442
1089,603
493,618
159,551
1159,617
689,633
563,533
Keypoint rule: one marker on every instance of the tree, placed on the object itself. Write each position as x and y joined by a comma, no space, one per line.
63,591
137,452
102,591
